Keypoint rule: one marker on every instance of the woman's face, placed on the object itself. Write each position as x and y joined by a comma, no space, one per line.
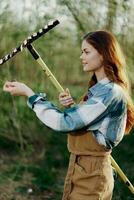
91,59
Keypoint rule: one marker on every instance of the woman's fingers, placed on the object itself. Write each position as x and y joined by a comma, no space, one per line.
65,93
65,98
67,103
8,86
67,90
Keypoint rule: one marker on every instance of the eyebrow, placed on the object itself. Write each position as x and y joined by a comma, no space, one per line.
84,49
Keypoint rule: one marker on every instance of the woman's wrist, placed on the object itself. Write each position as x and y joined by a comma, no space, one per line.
29,92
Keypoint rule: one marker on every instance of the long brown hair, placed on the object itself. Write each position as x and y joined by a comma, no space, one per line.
114,66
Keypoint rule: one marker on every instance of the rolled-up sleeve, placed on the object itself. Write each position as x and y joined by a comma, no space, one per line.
75,118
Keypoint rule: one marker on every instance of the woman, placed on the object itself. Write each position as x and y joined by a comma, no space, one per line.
95,125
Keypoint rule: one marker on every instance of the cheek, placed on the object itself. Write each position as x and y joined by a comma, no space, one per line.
95,60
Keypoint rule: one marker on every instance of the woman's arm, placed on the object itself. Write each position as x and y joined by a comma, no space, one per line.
71,119
75,118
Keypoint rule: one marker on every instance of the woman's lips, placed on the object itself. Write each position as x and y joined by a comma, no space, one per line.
84,63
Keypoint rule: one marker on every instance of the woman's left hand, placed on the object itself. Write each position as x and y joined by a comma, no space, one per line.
17,89
65,98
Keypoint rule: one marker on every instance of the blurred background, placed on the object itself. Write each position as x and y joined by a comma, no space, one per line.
33,158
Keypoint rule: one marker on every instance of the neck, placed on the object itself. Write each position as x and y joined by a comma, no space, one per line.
100,74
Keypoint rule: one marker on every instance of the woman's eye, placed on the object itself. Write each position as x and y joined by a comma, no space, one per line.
86,52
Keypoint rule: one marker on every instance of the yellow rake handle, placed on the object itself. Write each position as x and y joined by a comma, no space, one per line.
122,175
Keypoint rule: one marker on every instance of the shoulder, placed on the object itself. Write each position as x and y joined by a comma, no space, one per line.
112,90
110,93
104,91
118,93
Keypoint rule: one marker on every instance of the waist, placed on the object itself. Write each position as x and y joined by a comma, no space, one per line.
92,158
86,144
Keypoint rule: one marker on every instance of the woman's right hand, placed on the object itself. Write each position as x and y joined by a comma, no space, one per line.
65,98
16,88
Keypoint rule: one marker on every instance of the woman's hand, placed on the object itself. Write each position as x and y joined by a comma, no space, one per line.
65,98
17,89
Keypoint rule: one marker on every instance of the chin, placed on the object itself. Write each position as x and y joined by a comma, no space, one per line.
87,70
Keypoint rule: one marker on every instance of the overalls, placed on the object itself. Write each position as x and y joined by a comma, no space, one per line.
89,175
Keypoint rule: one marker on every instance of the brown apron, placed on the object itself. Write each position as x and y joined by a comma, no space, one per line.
89,175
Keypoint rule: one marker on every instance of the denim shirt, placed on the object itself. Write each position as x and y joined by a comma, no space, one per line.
104,113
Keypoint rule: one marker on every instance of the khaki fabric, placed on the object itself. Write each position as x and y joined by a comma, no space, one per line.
84,143
89,175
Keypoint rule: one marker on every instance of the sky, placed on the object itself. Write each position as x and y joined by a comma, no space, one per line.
24,10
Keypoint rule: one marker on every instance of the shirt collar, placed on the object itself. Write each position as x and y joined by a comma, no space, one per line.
98,85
